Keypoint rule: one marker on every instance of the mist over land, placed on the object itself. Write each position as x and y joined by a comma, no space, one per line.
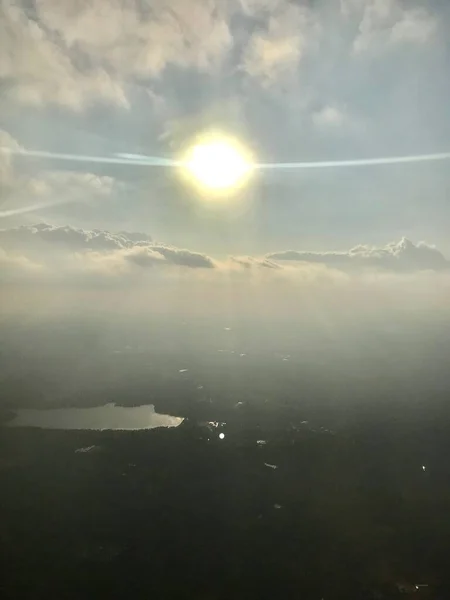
294,329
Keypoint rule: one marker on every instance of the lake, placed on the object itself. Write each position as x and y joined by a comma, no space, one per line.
108,416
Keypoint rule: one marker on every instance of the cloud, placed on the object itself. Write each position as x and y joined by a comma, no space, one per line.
76,54
7,175
417,26
150,254
23,192
47,269
386,23
70,253
276,52
35,70
14,266
249,262
396,256
75,240
184,258
329,116
64,250
141,39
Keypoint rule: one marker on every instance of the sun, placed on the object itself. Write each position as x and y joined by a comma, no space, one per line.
217,164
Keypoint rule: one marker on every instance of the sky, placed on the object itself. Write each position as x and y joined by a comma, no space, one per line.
292,81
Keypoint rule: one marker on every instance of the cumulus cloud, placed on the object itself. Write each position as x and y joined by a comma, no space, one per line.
141,39
396,256
275,52
76,240
34,69
46,269
384,23
78,53
70,252
64,249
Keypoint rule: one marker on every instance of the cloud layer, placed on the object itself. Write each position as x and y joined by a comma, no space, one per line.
65,249
79,53
396,256
47,245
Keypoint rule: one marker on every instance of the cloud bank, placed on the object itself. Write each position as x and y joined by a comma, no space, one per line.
59,247
79,53
395,256
46,270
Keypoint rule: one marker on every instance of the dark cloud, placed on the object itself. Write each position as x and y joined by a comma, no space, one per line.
137,248
52,244
149,255
396,256
184,258
249,262
143,257
74,239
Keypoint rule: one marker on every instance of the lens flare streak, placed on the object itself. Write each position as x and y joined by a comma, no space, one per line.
124,158
143,160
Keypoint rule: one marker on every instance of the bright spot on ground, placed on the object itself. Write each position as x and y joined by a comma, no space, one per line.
221,436
217,164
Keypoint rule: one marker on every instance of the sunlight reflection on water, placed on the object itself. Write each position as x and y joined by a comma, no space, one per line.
108,416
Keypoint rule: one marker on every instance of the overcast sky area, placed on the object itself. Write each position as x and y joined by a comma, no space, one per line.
292,81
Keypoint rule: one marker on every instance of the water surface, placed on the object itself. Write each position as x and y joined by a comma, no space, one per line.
108,416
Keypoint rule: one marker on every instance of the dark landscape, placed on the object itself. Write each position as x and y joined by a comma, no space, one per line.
295,493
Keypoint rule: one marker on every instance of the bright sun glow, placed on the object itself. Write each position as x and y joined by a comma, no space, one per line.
217,165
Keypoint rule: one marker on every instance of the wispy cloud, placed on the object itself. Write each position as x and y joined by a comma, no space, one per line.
329,116
24,192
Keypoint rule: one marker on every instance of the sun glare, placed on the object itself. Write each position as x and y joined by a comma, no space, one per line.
217,165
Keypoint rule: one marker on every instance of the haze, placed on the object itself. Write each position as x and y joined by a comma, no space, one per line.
340,276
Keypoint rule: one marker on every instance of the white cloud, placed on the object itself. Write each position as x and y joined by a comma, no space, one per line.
329,116
50,189
384,23
7,174
35,70
25,238
275,53
62,247
396,256
417,25
47,269
12,265
23,193
70,254
141,38
82,52
80,184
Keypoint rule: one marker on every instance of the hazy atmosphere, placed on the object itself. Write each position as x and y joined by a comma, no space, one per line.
168,239
292,81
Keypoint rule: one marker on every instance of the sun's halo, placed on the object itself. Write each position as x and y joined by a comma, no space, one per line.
217,165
